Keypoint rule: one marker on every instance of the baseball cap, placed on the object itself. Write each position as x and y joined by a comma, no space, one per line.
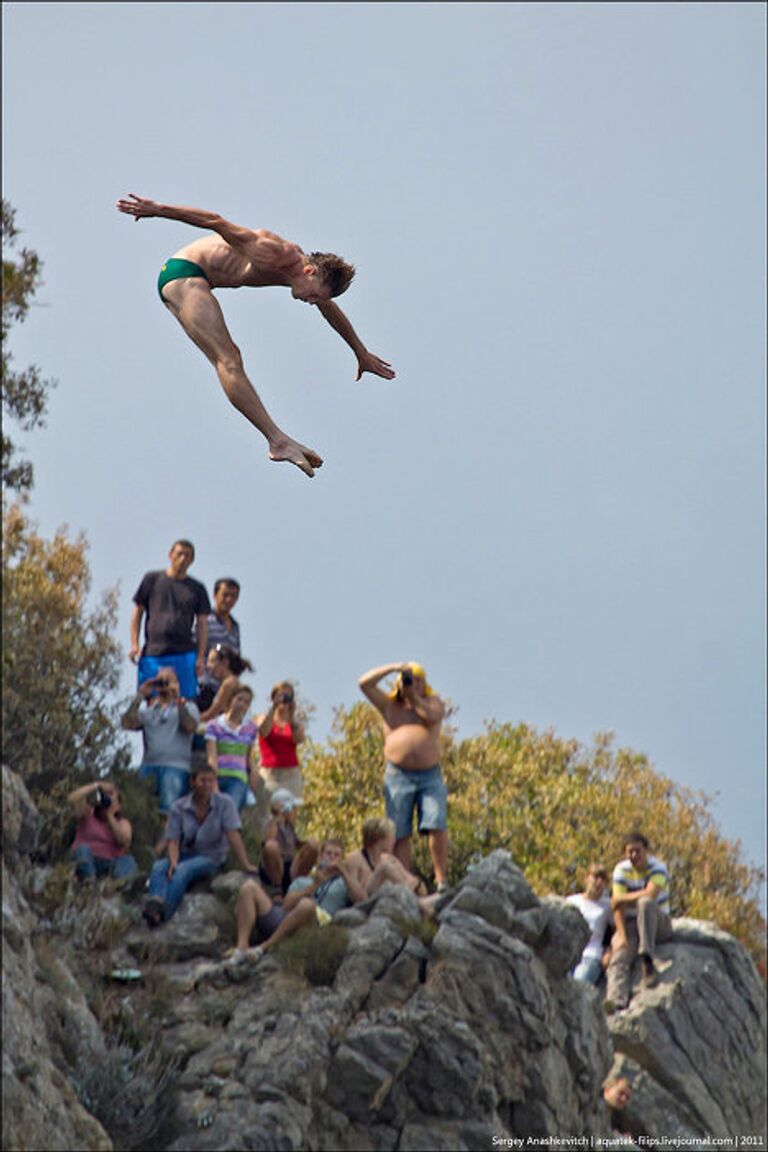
284,799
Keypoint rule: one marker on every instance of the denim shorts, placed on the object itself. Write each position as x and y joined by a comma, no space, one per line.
423,789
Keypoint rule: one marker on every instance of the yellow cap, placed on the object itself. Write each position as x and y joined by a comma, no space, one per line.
416,670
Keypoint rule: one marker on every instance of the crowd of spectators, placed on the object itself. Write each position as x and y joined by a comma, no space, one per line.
206,758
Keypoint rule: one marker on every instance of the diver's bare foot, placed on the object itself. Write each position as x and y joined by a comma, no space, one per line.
297,454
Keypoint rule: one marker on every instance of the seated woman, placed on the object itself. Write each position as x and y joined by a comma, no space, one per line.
284,856
228,743
103,834
279,735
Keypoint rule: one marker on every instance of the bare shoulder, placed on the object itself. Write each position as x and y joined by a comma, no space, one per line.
271,239
265,234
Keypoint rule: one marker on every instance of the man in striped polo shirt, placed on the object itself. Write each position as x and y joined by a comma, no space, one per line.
640,902
223,630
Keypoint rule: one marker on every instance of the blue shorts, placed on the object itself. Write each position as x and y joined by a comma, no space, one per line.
423,789
183,664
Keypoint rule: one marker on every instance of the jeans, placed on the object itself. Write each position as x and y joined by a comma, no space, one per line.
188,869
423,789
170,784
87,865
235,788
589,970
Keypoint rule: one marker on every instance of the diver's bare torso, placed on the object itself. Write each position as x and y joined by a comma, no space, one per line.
268,263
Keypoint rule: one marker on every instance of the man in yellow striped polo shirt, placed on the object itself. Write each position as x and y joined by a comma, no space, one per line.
640,902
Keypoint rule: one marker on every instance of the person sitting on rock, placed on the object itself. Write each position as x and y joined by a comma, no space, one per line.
617,1093
201,829
640,902
284,855
375,864
309,900
103,834
595,907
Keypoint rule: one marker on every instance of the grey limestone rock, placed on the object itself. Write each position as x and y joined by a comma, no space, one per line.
203,926
443,1036
702,1028
21,821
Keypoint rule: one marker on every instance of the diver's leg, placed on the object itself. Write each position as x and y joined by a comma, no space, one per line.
196,308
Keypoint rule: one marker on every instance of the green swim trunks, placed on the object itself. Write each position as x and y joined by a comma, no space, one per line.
178,270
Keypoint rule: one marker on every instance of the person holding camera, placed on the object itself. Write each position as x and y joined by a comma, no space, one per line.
284,855
309,900
279,735
413,780
167,723
103,834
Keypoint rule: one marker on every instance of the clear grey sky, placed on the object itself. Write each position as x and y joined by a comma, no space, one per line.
557,212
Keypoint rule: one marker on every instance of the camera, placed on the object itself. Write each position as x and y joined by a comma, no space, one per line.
161,682
102,800
286,697
406,678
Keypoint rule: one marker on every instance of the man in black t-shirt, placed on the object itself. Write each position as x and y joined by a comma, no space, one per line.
172,603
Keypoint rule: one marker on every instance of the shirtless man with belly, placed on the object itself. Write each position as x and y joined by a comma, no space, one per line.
237,257
412,715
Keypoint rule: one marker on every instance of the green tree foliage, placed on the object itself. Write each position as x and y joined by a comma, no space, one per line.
61,665
24,393
555,805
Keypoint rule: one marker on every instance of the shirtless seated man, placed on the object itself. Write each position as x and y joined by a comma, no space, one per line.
374,864
238,257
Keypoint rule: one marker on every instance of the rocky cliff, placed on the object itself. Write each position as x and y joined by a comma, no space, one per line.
382,1031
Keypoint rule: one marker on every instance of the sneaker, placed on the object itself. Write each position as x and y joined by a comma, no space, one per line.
649,978
442,887
153,911
245,955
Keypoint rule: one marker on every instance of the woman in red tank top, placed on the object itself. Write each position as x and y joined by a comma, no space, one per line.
279,734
